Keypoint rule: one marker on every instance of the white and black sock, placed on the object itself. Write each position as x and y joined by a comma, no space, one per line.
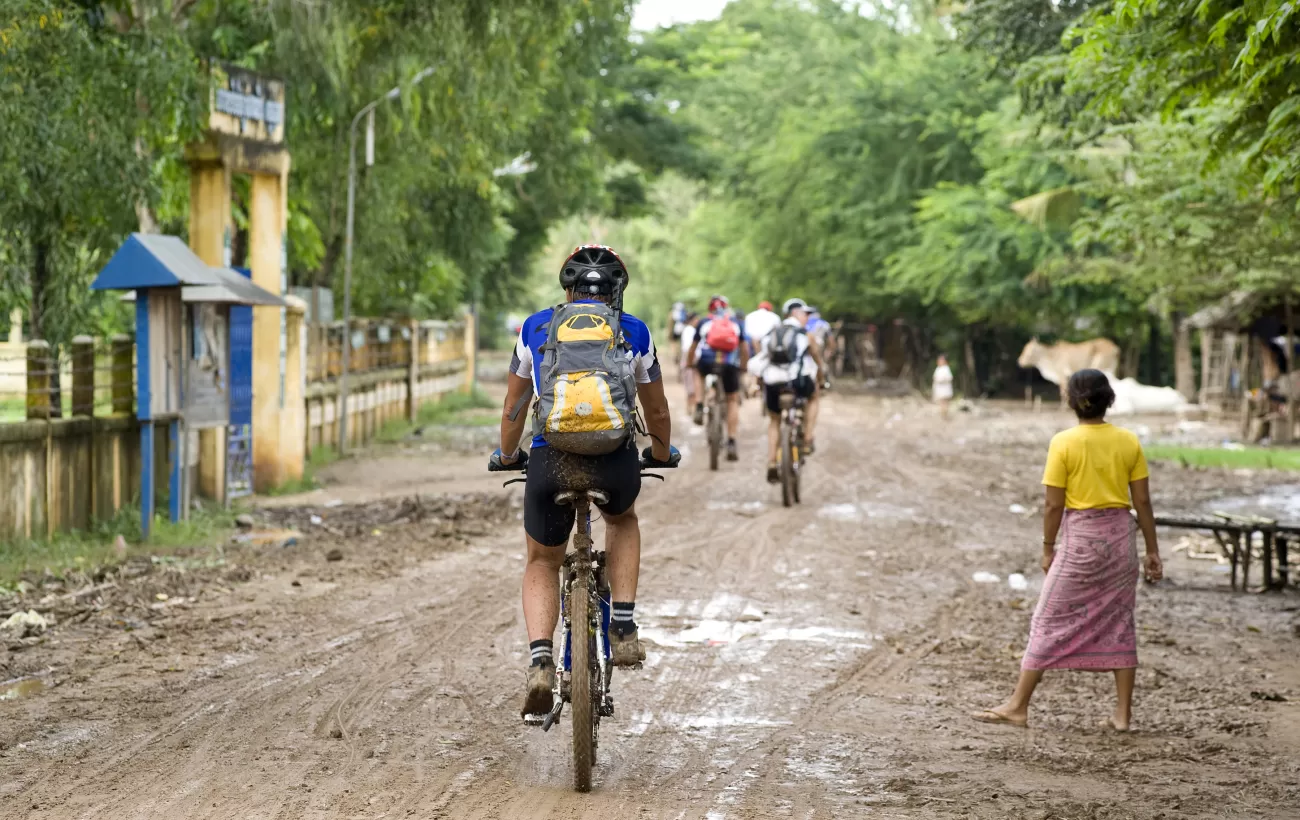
620,618
541,651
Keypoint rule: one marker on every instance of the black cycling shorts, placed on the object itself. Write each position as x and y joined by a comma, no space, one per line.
729,373
551,471
803,387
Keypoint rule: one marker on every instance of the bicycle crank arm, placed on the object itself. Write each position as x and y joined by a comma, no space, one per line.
554,715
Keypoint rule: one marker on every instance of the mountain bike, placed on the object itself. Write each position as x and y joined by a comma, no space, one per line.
792,450
715,415
583,677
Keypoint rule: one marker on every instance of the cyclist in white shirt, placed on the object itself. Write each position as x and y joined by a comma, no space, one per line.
792,342
760,323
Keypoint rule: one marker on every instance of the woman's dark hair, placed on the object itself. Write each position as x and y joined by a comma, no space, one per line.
1090,394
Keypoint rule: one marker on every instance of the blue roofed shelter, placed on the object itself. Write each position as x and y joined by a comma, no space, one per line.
183,350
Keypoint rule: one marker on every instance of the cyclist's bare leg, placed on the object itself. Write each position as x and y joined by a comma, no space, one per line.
623,560
623,554
773,437
542,589
733,414
810,416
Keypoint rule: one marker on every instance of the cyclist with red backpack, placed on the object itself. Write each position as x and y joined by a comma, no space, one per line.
721,347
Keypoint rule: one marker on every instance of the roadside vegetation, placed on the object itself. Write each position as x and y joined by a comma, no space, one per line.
114,541
1249,458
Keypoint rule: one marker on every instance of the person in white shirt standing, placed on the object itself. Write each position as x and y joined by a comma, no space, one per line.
942,385
788,359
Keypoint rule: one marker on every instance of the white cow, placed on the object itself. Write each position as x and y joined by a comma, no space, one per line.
1058,362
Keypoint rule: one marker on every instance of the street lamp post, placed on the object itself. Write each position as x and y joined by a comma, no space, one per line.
368,111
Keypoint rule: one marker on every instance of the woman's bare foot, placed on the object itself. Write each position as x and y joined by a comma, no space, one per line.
1114,724
1003,714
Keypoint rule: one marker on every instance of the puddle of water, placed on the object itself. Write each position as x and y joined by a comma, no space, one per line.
1281,502
866,509
20,688
719,633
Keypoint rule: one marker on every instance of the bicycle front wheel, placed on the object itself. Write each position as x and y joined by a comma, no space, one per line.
584,716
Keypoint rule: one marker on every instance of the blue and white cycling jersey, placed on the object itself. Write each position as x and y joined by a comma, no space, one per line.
707,355
527,361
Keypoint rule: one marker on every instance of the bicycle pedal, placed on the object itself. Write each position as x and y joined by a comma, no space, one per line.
534,720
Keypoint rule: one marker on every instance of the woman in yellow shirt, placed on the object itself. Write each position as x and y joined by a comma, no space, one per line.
1084,617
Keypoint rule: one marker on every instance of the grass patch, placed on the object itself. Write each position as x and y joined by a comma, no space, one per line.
85,550
453,409
321,456
1254,458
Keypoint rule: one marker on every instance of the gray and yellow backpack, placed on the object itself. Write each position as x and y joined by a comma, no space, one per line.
587,386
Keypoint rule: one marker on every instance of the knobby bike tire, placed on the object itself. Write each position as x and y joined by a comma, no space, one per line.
584,715
715,436
788,474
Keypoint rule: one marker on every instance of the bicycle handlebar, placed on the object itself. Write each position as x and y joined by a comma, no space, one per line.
647,462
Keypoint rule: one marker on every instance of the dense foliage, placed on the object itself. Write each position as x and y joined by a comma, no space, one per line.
982,171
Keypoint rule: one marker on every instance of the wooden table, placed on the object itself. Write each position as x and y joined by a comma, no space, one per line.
1235,533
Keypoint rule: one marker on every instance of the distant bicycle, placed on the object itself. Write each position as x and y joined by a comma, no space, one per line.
585,668
792,450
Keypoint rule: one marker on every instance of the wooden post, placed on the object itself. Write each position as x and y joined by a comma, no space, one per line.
1208,338
83,376
413,375
1184,374
1246,350
123,373
38,379
1290,370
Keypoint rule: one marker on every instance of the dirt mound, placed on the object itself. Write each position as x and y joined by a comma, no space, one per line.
463,514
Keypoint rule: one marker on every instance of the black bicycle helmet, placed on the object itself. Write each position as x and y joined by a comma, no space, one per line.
594,270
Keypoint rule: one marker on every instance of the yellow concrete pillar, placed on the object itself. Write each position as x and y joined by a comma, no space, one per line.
293,421
209,226
471,341
265,235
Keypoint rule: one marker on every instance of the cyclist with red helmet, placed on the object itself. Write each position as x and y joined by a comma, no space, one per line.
593,274
721,347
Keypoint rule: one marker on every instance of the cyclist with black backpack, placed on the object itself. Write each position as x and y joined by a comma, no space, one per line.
586,363
721,347
788,359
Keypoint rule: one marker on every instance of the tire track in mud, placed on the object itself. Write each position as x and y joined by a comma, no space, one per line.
792,670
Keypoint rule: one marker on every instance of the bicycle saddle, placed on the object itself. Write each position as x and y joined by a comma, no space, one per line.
597,497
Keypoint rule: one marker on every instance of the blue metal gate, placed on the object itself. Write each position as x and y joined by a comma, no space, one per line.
239,439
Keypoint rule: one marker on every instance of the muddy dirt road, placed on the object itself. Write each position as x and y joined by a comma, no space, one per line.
809,663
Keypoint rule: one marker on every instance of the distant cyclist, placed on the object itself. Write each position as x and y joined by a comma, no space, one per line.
722,346
789,358
760,323
820,330
593,275
685,363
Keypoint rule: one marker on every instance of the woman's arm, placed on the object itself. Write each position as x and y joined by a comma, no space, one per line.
1053,509
1141,493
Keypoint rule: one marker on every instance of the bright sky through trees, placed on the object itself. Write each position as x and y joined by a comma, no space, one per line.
650,14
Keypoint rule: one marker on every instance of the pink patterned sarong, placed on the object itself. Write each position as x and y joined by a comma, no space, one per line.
1084,617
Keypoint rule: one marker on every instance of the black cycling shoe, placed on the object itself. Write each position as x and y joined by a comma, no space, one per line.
732,455
773,474
698,416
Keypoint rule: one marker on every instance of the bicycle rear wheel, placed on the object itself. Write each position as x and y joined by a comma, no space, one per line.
789,471
584,715
715,435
